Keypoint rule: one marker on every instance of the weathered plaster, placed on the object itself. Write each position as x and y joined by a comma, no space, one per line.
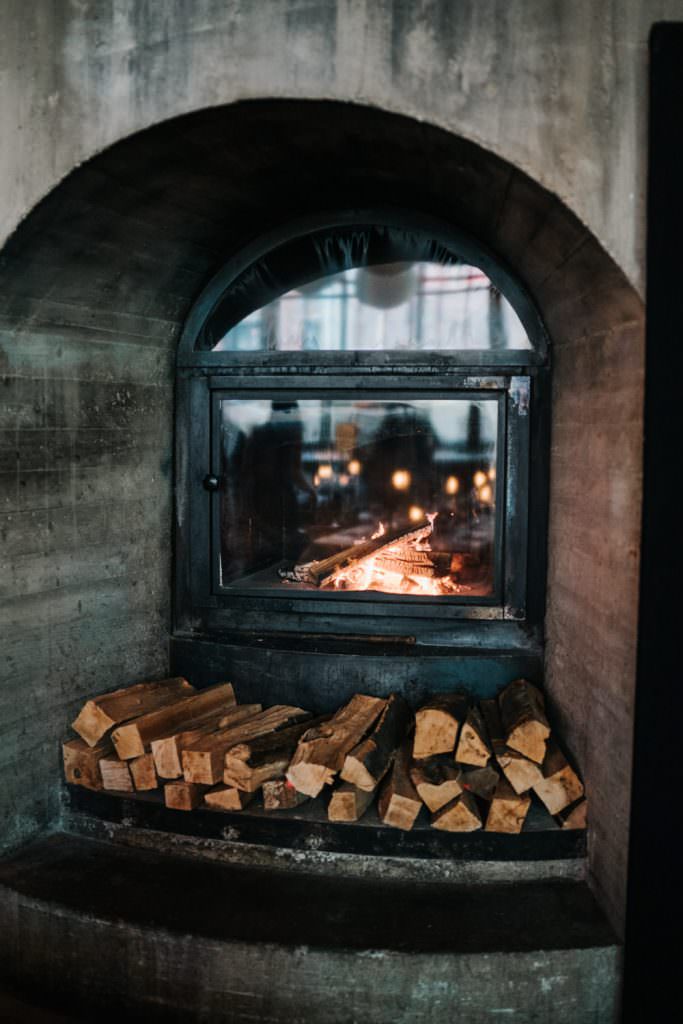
556,88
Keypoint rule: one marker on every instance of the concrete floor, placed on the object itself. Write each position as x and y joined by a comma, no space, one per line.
104,929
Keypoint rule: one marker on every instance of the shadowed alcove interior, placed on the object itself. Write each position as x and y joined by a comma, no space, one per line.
96,285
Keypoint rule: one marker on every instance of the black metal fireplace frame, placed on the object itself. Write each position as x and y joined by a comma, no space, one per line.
512,617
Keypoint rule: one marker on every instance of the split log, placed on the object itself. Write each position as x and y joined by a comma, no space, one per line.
494,727
473,746
204,761
437,780
143,773
348,803
116,775
183,796
521,773
560,785
249,765
228,798
399,802
367,763
133,738
82,762
508,811
480,781
317,572
167,751
322,750
280,795
525,726
99,715
460,815
573,817
437,725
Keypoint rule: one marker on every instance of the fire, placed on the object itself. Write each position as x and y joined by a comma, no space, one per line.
403,567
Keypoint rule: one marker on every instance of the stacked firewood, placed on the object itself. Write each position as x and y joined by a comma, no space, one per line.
473,765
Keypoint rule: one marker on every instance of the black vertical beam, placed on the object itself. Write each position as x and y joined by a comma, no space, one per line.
654,928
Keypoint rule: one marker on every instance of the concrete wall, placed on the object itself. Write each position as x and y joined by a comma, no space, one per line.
94,286
556,88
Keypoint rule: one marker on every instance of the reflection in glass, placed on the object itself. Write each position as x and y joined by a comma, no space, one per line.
394,306
302,481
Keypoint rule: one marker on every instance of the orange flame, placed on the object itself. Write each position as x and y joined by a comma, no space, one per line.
370,574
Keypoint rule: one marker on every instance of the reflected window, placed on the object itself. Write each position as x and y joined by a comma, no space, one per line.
394,306
369,288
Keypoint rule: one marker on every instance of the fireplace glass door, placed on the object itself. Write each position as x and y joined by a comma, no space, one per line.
396,496
361,410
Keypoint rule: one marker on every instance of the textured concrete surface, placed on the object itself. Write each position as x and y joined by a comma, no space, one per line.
556,88
206,942
313,859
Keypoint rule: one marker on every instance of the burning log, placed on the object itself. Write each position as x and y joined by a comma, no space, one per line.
322,750
99,715
367,763
82,762
508,811
317,572
437,780
399,803
204,761
348,803
133,738
248,765
460,815
560,785
437,725
525,726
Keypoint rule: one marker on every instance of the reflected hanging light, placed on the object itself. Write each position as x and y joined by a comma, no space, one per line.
452,485
401,479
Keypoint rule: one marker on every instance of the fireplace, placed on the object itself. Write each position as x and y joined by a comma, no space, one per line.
361,397
441,443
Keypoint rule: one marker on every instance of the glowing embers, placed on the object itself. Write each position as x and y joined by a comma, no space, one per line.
405,565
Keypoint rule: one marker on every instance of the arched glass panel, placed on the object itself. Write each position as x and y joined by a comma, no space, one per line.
373,288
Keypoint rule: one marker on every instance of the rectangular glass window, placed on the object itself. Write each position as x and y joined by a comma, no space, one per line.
393,495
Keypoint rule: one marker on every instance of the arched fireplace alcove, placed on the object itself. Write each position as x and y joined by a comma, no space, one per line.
97,284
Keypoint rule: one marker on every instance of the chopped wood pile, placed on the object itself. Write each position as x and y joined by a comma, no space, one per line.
471,765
